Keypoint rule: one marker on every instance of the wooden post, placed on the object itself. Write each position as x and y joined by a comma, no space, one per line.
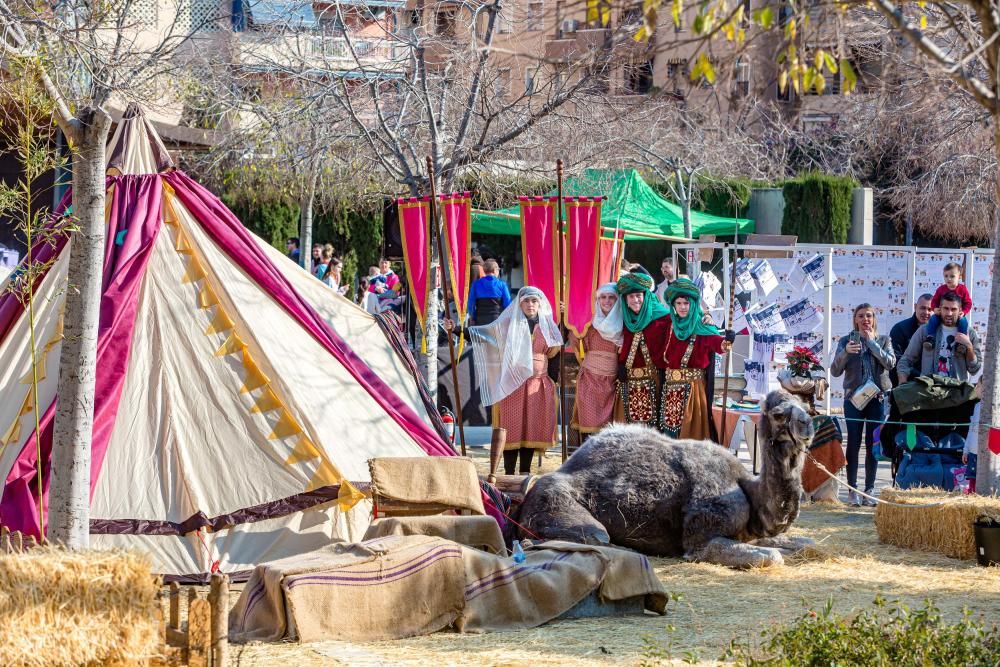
497,443
199,632
218,599
17,541
32,542
4,540
436,231
174,602
560,289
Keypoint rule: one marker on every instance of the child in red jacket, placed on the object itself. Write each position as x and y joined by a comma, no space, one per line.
952,283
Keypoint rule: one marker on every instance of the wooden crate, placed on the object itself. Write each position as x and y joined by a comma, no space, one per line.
202,640
15,542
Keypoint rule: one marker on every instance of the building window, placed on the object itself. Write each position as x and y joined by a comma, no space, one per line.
444,22
529,83
503,25
742,77
558,77
638,78
502,84
534,20
632,16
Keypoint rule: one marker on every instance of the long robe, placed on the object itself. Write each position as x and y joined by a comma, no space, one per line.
686,409
595,385
638,396
529,414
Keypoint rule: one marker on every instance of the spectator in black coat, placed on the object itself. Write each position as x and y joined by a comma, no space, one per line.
902,332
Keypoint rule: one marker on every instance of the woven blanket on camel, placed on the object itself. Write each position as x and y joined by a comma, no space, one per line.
826,449
402,586
388,588
480,532
503,595
440,480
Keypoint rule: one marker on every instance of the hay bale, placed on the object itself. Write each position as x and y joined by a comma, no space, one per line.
945,529
90,608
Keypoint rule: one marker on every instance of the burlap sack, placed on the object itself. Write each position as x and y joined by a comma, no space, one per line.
442,480
479,532
389,588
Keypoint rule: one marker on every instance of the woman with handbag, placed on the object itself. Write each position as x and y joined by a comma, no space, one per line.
864,358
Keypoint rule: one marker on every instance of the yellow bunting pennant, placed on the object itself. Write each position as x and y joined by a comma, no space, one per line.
40,368
13,434
285,428
305,450
255,378
194,271
266,402
325,475
183,246
233,345
220,323
28,405
207,298
348,496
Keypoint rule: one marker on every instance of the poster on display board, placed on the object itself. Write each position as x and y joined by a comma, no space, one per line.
980,289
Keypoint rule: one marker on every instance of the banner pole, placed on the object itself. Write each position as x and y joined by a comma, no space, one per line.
729,324
560,295
436,231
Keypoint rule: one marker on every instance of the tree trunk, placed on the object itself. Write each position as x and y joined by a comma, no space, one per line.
306,219
69,491
988,464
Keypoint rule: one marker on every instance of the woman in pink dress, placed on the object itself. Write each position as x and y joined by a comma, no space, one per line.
513,356
595,385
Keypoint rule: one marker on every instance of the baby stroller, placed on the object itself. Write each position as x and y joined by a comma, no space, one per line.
940,409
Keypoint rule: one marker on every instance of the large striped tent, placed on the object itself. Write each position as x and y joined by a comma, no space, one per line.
238,399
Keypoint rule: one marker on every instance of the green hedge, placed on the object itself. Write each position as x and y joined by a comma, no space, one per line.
818,208
726,197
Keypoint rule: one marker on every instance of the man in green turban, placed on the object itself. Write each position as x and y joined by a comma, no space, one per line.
641,356
689,364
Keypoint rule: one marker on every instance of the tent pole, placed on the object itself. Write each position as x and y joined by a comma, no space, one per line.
560,238
436,231
729,325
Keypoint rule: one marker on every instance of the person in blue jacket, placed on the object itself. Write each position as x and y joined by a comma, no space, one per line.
488,296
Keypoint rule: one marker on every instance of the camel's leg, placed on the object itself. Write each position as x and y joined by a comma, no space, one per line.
724,551
550,512
788,545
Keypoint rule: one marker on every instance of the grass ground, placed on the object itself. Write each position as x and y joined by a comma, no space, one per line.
718,604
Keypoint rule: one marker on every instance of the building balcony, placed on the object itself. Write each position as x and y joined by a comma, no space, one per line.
567,46
311,50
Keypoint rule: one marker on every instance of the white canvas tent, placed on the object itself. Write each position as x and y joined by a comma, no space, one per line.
238,398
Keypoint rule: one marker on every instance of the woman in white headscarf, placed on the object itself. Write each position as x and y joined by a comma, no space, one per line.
595,385
512,359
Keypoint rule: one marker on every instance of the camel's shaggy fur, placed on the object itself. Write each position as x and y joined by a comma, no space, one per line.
631,486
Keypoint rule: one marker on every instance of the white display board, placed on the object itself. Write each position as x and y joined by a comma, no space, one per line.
887,277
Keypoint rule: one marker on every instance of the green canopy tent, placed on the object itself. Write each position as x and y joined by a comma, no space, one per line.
632,205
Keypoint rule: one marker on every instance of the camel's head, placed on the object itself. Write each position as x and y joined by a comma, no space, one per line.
786,429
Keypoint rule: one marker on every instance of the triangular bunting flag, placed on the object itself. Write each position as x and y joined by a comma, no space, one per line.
13,434
232,345
348,496
304,450
255,378
326,475
183,246
286,427
266,402
220,323
28,405
194,272
207,298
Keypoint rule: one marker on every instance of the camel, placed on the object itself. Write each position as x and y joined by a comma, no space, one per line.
631,486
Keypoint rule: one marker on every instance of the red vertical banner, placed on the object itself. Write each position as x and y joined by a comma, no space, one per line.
415,231
539,249
456,213
583,244
609,264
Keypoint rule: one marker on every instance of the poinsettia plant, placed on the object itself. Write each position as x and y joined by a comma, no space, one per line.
801,360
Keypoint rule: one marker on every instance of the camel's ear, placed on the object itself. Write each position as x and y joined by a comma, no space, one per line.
777,408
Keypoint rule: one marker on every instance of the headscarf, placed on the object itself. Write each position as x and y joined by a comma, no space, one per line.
502,349
610,325
651,308
692,324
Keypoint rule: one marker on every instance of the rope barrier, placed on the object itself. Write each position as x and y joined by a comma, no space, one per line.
829,474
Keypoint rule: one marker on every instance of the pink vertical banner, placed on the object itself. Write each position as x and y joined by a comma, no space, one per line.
414,229
539,249
609,264
583,244
456,213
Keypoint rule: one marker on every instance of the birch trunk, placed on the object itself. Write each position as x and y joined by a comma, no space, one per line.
69,491
988,464
306,220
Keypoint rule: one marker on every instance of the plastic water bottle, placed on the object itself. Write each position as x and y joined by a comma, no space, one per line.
518,552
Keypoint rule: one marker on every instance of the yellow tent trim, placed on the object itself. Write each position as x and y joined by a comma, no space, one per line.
183,246
194,271
305,450
13,434
286,427
348,496
232,345
255,378
325,475
220,323
266,402
207,298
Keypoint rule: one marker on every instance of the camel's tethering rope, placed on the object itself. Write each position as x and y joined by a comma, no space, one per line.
865,495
